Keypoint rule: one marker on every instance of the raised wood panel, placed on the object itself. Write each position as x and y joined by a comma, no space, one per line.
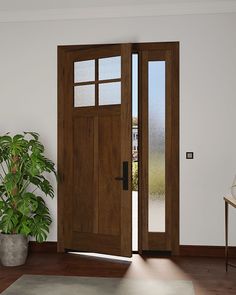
83,201
106,244
109,167
159,241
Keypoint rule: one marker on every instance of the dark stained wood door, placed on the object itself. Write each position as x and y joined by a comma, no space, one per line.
95,149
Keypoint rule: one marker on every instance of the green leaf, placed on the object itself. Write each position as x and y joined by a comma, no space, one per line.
17,138
39,228
35,165
18,145
9,221
42,183
36,146
11,180
2,190
42,209
27,204
50,166
24,228
2,207
5,141
4,154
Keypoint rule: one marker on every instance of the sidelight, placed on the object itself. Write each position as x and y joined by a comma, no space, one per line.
156,152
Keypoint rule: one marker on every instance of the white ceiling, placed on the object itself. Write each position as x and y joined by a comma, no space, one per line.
42,10
62,4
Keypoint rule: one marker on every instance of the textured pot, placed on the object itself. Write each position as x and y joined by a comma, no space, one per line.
13,249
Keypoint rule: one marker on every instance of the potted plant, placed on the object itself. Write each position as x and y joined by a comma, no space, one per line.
24,172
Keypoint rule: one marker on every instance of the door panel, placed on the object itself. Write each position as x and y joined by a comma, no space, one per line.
109,168
97,210
84,195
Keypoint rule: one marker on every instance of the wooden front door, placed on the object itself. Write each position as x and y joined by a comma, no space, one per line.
95,149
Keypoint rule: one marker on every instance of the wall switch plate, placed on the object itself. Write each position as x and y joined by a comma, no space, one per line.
189,155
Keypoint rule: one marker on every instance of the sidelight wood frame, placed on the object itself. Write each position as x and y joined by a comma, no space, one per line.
140,48
169,240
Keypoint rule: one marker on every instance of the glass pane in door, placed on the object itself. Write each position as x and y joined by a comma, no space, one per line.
110,93
156,158
84,71
84,95
109,68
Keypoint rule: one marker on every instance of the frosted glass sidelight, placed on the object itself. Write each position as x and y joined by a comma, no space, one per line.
84,96
109,68
109,93
156,153
84,71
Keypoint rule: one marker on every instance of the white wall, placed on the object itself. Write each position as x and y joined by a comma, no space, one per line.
28,100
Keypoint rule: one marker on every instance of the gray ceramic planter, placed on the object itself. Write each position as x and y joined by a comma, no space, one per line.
13,249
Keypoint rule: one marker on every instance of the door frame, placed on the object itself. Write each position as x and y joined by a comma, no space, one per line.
173,47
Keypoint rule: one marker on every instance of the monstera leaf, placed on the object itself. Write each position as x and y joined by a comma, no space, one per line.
11,180
9,221
16,145
27,204
41,221
42,183
24,226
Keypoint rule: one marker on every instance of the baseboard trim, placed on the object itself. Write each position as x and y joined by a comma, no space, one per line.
45,247
206,251
184,250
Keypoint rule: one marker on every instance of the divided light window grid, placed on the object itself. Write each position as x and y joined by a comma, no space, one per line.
97,82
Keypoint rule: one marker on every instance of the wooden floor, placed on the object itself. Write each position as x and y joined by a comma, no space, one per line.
207,274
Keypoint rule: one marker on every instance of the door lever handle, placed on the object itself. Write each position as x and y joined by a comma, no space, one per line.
125,177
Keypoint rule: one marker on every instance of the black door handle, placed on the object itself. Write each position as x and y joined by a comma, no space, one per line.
125,177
